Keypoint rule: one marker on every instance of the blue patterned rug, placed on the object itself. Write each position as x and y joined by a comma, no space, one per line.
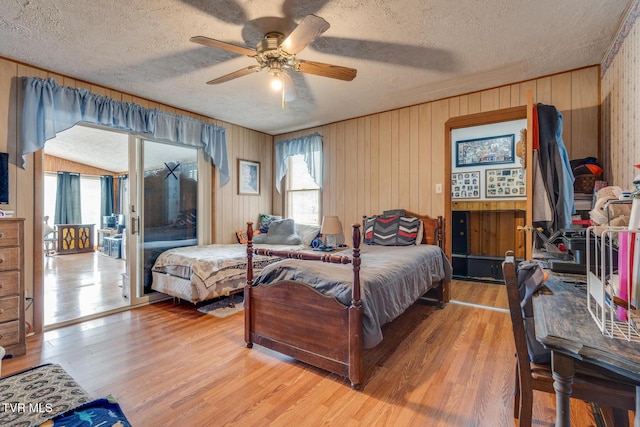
101,412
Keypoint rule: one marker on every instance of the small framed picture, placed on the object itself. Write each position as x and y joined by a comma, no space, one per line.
505,183
248,177
465,185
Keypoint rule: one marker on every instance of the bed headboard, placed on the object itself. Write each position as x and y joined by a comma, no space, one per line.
433,228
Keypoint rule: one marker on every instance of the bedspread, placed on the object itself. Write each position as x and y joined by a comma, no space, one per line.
207,265
392,278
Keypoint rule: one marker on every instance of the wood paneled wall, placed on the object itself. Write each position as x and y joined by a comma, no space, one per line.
56,164
621,107
491,233
394,159
232,210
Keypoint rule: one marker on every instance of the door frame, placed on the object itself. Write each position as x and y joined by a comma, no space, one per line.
478,119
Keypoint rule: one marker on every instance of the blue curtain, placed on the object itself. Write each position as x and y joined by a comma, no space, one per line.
68,199
49,109
310,146
122,194
106,195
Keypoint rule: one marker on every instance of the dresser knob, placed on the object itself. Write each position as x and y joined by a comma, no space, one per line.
1,311
1,235
1,260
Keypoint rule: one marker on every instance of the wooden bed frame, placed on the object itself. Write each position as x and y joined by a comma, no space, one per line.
296,320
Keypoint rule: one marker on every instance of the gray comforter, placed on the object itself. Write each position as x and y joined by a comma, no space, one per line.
392,278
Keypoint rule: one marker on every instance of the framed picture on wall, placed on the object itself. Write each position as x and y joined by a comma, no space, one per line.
485,151
465,185
248,177
508,182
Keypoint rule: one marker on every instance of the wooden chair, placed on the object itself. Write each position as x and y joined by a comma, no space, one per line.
589,384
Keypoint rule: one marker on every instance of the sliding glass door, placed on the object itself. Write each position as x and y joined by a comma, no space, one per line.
164,210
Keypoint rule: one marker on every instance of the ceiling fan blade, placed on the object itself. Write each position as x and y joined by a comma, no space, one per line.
235,74
326,70
306,32
223,45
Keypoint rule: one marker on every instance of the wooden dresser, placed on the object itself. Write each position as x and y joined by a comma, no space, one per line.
12,322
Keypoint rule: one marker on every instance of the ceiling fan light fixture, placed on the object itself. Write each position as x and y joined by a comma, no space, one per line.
276,74
276,83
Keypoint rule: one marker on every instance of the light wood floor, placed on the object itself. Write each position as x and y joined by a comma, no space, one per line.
80,285
169,365
479,293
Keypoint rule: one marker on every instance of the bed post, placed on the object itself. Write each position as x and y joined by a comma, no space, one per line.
445,289
355,315
247,287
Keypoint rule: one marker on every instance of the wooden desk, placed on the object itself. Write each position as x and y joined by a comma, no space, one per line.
563,324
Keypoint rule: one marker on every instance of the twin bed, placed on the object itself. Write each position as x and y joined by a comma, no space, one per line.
200,273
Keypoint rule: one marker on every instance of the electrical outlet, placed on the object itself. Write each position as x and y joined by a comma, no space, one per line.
438,188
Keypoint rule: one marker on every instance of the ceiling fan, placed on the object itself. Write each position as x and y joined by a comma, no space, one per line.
278,54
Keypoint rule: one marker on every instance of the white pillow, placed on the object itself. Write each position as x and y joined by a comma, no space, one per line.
307,232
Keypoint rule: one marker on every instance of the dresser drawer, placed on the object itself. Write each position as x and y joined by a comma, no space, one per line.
9,333
9,233
9,258
9,283
9,308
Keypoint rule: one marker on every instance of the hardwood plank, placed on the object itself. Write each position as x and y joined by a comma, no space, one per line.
404,159
385,155
374,183
490,99
394,142
424,154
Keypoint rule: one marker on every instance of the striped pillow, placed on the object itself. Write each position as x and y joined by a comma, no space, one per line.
391,230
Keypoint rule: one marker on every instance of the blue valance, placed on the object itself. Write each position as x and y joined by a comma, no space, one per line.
310,146
49,109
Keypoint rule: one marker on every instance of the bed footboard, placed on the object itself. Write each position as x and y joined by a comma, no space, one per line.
296,320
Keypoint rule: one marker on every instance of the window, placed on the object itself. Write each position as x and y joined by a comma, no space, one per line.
302,196
90,201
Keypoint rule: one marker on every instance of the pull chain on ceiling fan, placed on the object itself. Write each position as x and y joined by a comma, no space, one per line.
278,54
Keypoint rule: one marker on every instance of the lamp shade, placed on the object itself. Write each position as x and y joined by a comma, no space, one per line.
331,225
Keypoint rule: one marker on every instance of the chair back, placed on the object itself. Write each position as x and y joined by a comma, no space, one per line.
517,321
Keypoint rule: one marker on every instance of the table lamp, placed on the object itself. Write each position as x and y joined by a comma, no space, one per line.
331,229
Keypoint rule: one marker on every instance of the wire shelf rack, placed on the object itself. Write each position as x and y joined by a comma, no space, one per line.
606,300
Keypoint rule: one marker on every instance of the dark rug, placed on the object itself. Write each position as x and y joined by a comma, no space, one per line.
220,308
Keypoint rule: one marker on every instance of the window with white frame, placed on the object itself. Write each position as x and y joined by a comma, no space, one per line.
302,195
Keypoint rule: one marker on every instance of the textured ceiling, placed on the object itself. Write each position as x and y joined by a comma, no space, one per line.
406,51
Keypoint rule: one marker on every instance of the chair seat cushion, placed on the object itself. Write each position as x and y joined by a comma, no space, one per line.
537,352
